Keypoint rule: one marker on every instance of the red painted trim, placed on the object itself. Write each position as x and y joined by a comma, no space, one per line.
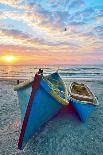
35,87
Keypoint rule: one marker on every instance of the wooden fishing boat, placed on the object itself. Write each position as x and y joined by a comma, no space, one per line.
82,100
40,99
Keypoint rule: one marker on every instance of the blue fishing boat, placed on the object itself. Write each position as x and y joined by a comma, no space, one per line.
82,100
40,99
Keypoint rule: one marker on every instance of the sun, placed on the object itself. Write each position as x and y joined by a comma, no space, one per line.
9,58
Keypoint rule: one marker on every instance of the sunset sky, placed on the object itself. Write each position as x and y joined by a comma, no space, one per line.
32,31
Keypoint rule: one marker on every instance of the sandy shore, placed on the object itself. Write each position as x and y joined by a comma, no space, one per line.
63,135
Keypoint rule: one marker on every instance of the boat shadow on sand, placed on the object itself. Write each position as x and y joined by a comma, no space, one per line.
65,118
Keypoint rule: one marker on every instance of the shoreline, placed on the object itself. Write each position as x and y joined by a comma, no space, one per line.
67,82
65,79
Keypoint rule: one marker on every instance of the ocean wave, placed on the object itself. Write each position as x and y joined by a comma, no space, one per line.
70,71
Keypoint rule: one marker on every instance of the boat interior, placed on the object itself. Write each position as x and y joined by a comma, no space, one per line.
57,84
80,89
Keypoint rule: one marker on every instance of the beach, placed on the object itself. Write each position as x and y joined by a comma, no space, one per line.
63,135
49,43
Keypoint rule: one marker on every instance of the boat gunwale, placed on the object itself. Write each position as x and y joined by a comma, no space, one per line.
74,94
23,84
53,93
84,97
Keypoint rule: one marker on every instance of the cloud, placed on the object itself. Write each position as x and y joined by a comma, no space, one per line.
12,3
70,42
99,31
76,4
39,26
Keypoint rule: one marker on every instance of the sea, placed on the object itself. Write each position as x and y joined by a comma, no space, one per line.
85,72
64,134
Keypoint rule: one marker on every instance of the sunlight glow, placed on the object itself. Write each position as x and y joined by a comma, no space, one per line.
8,58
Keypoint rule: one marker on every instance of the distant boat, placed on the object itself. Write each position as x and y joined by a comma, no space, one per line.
40,99
65,29
82,100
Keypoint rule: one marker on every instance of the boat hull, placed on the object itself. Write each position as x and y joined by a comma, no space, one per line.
83,109
24,96
38,105
43,108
